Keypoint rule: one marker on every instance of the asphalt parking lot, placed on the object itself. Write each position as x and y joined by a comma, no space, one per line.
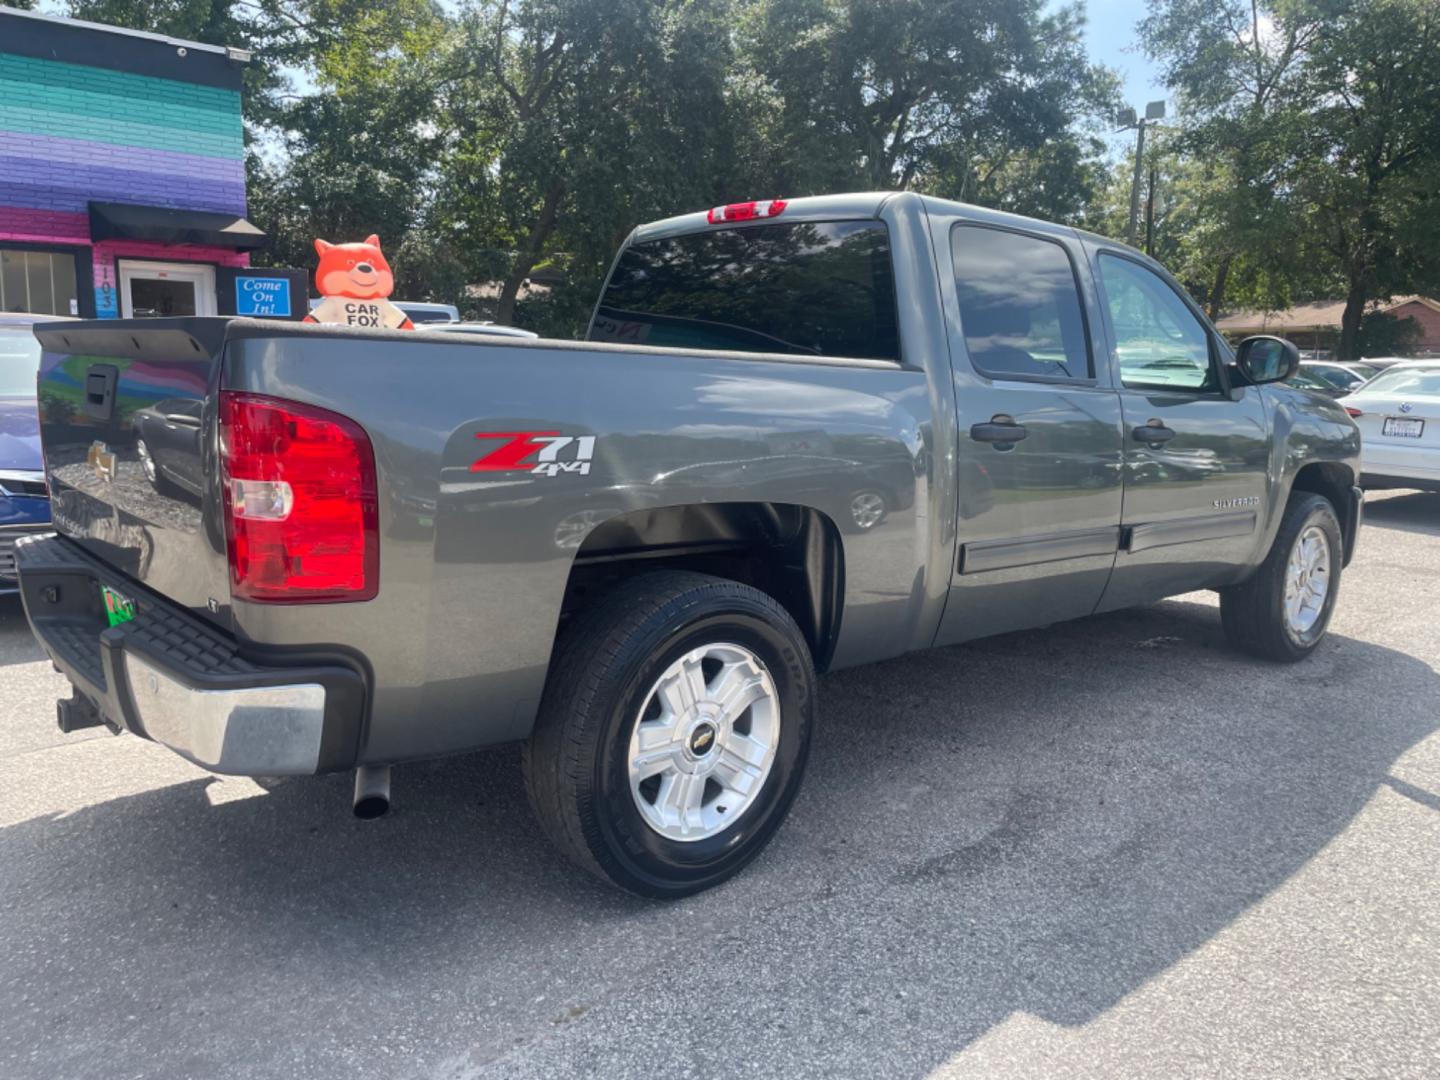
1109,848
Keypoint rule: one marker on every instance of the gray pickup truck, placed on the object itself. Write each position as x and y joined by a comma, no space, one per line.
800,436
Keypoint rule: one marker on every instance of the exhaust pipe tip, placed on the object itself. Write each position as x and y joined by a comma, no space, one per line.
372,792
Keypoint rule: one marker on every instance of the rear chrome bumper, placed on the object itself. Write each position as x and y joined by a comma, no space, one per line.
177,680
257,730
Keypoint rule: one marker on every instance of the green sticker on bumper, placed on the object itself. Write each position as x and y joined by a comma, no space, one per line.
118,609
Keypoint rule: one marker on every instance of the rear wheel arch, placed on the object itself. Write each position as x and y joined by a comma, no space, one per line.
791,552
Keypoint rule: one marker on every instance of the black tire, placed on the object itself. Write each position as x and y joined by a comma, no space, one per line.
606,663
1253,613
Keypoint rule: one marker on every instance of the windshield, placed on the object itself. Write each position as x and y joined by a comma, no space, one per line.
19,361
1406,381
819,288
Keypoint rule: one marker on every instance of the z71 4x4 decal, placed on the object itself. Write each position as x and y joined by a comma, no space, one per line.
515,453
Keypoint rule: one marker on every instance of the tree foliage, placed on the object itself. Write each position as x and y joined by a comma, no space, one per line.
501,145
493,143
1315,123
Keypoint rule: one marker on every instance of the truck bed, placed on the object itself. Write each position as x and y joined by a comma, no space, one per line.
497,462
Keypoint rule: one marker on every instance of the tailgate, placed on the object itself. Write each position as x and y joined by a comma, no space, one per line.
127,418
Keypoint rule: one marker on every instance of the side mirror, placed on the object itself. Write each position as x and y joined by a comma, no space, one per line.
1266,359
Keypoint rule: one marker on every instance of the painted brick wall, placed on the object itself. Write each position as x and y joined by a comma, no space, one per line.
70,134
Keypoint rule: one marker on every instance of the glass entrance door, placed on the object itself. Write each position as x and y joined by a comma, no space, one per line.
154,290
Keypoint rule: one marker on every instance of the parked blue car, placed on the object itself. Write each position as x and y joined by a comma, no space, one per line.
24,497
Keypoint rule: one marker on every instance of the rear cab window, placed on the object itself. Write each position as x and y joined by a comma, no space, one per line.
811,288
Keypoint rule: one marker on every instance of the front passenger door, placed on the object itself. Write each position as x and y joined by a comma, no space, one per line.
1197,453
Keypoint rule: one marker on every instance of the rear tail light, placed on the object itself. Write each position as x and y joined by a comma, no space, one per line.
1354,412
301,518
746,211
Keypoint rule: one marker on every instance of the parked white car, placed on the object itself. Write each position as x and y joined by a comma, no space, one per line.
1343,376
1398,413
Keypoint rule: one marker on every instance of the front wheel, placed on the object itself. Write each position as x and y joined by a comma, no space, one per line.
1283,611
673,734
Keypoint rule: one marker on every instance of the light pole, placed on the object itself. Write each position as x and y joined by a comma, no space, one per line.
1155,110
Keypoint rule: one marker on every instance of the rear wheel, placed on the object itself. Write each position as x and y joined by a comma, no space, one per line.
1283,611
673,734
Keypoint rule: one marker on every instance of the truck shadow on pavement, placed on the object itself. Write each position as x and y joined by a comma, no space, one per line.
1037,824
17,644
1415,512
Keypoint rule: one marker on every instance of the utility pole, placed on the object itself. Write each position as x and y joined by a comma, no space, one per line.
1150,211
1155,110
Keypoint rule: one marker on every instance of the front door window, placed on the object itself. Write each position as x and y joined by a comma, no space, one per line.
161,290
1160,343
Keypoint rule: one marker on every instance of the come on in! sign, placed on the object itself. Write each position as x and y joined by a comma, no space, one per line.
262,296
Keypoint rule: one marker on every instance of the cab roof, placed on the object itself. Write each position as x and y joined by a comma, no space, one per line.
860,205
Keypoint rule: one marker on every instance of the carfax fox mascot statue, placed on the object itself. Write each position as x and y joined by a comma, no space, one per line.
355,281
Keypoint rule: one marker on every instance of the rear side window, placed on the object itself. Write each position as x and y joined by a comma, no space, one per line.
1019,305
813,288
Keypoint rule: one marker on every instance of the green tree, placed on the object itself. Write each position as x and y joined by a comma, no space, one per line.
568,121
979,101
1367,165
356,155
1235,66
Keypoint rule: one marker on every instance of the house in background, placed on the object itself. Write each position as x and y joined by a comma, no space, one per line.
122,176
1317,326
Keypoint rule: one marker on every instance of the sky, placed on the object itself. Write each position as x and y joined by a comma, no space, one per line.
1111,40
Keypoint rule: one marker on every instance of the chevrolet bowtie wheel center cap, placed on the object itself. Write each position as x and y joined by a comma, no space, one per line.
702,739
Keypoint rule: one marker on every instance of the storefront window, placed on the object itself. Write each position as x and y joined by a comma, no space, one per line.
41,282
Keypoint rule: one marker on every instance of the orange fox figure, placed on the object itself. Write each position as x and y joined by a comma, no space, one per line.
355,280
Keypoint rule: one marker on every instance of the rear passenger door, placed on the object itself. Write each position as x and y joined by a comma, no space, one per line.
1197,453
1039,432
